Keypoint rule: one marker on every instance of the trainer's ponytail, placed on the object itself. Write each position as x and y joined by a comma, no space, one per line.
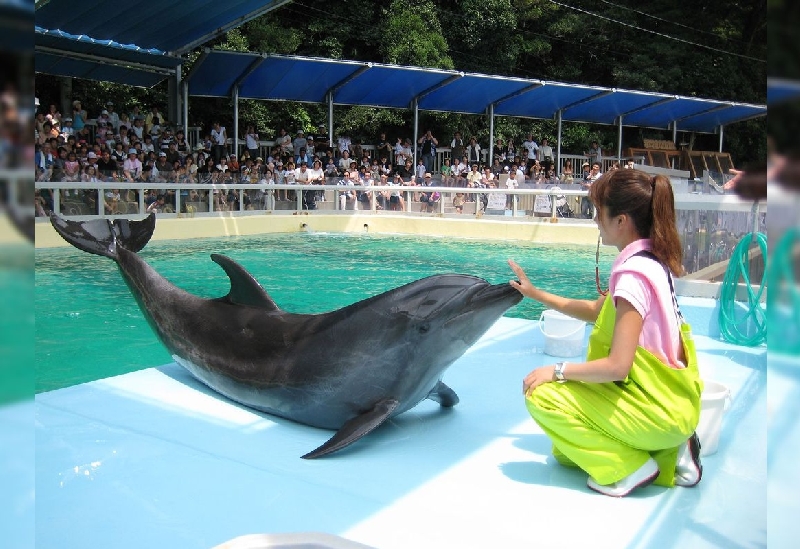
664,232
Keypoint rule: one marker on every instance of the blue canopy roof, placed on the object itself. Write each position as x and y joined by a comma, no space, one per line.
86,38
276,77
172,27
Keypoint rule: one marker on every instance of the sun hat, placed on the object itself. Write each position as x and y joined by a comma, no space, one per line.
132,151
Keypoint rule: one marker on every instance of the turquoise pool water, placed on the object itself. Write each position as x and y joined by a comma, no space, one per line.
89,327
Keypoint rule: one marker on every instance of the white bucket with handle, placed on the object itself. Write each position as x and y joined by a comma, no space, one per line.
714,401
563,335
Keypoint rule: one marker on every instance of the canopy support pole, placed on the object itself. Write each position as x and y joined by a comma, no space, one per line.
416,131
721,135
330,119
675,132
619,139
236,121
558,140
185,90
491,135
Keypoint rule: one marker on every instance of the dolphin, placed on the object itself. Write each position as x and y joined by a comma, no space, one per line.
348,370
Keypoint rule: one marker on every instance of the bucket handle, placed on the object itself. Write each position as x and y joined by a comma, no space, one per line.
566,336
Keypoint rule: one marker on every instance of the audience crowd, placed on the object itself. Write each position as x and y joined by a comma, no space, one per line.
143,147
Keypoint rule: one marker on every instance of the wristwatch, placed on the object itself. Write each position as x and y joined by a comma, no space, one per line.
559,371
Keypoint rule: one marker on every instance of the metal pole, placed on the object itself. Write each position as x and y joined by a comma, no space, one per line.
619,140
330,120
416,131
675,132
236,121
178,97
186,111
491,135
721,134
558,142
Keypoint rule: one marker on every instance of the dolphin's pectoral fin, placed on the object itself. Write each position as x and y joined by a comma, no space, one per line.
245,290
444,395
356,428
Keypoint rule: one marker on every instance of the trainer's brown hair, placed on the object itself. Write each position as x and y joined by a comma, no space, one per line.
650,203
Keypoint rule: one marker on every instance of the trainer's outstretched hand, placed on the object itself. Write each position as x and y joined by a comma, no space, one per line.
522,283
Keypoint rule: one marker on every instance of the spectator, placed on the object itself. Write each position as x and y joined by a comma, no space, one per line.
383,148
421,171
546,155
78,116
219,141
251,140
592,176
153,119
344,161
158,205
284,142
132,168
447,173
343,144
396,201
532,149
473,151
113,116
428,150
347,194
107,166
67,129
457,145
406,171
566,172
594,153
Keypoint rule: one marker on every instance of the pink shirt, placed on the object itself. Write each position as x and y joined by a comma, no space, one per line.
643,283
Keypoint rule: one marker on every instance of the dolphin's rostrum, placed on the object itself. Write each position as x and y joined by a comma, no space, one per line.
347,370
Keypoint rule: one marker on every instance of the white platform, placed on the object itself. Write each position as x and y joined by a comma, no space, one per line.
155,459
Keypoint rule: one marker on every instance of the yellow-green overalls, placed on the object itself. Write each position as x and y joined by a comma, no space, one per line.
610,429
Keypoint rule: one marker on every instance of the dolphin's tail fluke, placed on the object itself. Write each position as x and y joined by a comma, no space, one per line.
102,236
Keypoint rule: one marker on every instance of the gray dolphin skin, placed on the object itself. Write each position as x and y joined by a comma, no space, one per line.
348,370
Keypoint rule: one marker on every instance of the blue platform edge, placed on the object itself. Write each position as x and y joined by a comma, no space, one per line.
155,459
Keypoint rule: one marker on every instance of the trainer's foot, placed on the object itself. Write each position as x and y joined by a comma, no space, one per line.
689,470
643,476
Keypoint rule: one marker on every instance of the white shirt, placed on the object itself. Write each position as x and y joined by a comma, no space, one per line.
218,136
532,147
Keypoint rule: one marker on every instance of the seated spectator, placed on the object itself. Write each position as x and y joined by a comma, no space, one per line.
107,166
132,167
158,205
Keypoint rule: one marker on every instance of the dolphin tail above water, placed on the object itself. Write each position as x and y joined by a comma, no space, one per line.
102,236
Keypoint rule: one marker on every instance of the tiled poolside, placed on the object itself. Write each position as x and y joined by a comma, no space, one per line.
155,459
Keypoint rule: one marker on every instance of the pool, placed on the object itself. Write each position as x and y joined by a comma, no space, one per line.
88,326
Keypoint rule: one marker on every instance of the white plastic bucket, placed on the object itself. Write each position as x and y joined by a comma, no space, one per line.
714,400
563,335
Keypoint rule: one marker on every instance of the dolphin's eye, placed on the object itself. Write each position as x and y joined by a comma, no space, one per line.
423,328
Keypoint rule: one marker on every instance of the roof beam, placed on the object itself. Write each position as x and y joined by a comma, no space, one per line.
105,60
517,93
248,71
650,105
587,99
441,84
331,93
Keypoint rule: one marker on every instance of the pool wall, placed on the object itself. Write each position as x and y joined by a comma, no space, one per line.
171,228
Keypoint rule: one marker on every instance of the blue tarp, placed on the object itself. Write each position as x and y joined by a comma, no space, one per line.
169,26
276,77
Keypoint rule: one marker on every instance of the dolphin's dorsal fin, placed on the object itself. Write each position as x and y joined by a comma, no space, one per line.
356,428
245,290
